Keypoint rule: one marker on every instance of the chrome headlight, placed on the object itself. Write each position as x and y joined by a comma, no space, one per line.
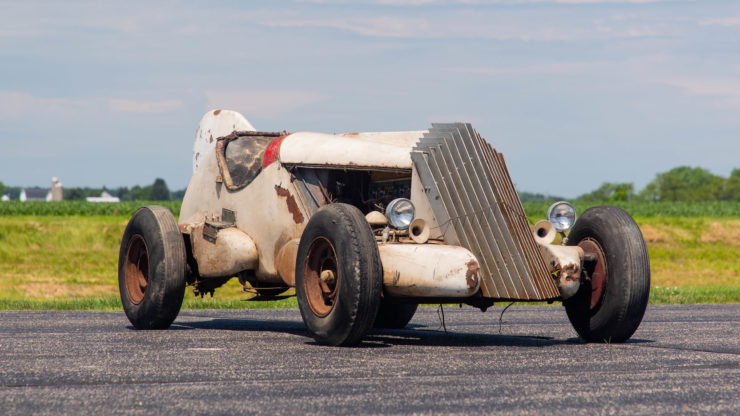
562,216
400,213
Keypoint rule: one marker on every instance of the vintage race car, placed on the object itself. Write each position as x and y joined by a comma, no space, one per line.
366,226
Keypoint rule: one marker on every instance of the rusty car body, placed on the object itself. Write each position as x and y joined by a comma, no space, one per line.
366,226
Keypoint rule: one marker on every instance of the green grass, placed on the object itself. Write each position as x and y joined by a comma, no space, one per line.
107,303
80,208
537,210
693,252
694,294
534,210
50,257
113,303
70,262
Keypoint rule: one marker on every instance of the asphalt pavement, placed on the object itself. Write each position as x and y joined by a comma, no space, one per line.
683,360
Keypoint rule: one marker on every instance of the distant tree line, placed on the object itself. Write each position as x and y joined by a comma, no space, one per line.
157,191
537,197
683,183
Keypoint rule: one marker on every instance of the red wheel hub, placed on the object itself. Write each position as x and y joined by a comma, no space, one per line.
136,269
596,267
321,277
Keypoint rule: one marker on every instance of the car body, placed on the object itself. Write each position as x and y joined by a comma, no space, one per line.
434,212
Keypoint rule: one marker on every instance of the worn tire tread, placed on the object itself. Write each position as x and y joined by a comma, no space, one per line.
164,295
366,276
628,283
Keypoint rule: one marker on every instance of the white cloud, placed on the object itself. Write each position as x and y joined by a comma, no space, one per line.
606,1
471,24
545,68
20,104
406,2
261,103
724,21
472,2
724,91
134,106
418,28
382,26
17,105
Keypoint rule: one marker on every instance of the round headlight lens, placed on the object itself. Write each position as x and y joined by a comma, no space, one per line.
562,215
400,213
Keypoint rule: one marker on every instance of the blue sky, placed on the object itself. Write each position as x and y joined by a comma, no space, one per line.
573,92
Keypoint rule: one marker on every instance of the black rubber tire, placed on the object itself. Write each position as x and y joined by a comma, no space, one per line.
394,315
622,303
359,275
153,247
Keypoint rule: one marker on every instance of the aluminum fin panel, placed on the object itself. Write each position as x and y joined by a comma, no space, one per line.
477,207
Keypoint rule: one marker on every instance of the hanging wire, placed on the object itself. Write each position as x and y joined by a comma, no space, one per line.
501,317
441,316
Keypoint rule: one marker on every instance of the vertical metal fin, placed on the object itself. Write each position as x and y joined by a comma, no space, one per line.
477,207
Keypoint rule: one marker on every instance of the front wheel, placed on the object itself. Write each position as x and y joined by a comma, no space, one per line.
338,275
611,301
152,268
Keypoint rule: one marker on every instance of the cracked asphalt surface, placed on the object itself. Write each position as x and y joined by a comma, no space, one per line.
683,360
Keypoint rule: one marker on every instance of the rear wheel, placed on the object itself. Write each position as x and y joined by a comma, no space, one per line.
611,301
152,268
393,315
338,275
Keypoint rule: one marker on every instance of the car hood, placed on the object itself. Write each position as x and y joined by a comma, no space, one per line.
385,150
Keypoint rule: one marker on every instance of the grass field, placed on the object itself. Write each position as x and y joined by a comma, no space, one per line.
69,261
535,210
79,208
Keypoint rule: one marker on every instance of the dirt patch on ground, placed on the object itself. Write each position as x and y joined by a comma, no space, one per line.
726,232
652,234
684,274
62,291
659,234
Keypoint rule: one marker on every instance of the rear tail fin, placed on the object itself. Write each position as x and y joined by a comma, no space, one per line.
215,124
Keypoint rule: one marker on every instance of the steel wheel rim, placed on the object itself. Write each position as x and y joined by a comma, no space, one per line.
321,277
597,271
136,269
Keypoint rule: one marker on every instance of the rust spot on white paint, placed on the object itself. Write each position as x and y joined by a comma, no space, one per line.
471,276
292,205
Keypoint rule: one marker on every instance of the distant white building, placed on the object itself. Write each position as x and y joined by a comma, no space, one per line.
104,197
5,197
55,193
35,194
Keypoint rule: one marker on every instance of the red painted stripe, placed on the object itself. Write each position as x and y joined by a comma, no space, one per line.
272,153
